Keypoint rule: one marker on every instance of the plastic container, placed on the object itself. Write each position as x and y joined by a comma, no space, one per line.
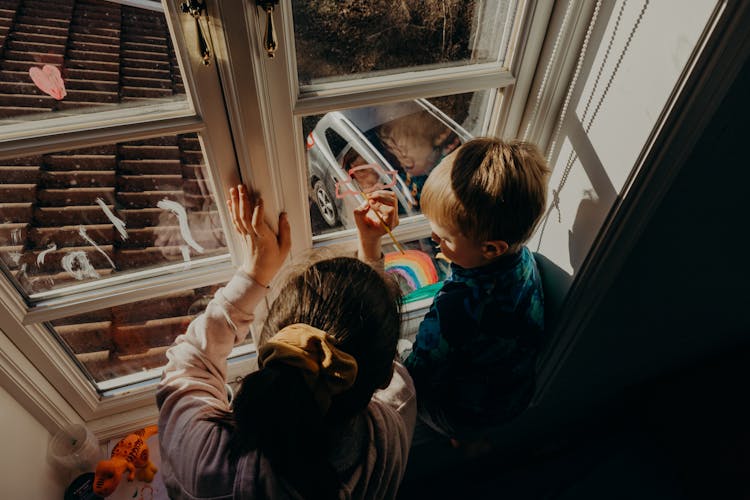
74,448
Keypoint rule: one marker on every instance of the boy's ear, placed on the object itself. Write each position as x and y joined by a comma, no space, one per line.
493,249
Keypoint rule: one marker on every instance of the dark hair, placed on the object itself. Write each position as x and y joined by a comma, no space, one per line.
275,412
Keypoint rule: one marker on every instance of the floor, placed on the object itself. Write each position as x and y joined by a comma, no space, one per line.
682,437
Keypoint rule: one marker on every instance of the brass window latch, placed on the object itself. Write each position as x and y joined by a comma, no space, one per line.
269,38
196,8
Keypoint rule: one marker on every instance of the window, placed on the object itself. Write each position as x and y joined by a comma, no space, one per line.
117,145
114,163
362,88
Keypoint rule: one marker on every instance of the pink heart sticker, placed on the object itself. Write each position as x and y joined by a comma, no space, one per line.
49,80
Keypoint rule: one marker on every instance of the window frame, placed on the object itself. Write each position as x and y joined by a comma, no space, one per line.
38,369
268,117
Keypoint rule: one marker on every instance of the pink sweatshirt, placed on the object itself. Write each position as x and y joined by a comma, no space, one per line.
373,447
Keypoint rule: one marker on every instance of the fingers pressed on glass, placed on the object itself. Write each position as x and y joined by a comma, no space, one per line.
257,219
234,204
285,234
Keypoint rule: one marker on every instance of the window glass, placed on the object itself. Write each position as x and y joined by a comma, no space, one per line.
395,145
76,56
419,270
338,40
117,342
86,214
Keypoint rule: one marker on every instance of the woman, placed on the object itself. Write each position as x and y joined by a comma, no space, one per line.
329,414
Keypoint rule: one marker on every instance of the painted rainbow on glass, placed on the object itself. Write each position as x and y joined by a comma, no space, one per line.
414,266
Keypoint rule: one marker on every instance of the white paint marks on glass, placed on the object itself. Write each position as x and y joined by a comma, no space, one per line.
85,236
185,255
118,223
15,236
77,265
40,258
181,214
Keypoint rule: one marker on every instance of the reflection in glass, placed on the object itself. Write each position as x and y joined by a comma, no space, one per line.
338,40
392,146
86,214
73,56
119,341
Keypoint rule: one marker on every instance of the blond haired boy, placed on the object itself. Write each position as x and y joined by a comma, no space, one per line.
474,355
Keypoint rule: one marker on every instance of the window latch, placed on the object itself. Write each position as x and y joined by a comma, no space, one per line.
196,8
269,39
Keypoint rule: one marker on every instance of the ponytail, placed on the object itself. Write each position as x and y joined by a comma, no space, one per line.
276,413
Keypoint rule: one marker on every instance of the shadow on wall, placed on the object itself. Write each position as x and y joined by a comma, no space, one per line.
588,221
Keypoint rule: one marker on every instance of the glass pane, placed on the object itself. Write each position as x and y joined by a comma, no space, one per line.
119,341
391,146
338,40
70,57
419,270
86,214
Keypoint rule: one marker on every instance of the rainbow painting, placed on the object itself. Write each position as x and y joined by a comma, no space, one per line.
413,269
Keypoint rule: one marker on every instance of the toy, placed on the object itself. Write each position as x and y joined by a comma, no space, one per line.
129,454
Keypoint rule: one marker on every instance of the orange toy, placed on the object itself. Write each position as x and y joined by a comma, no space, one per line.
129,454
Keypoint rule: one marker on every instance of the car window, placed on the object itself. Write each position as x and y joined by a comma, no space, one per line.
335,141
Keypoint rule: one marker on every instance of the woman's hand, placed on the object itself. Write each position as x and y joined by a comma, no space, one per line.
370,227
265,252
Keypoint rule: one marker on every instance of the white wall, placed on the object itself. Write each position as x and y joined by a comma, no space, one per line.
614,106
24,470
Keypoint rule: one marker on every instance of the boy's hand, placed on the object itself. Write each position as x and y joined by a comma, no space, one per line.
265,252
369,225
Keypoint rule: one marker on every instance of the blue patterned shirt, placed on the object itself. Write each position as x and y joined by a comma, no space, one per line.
475,353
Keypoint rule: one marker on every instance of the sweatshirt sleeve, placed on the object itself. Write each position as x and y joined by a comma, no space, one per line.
197,361
192,389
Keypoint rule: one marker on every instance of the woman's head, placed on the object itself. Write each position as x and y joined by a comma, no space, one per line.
276,412
354,304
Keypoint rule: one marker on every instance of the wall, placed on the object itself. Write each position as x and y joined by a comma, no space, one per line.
634,57
24,470
681,297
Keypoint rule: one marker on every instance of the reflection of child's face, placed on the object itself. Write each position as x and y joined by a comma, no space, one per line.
366,178
356,162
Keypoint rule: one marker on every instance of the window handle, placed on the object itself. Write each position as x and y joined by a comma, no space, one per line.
195,8
269,39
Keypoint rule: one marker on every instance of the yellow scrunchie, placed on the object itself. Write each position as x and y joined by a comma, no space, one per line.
327,370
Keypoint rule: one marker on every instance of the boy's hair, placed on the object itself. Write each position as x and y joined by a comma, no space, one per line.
495,190
275,412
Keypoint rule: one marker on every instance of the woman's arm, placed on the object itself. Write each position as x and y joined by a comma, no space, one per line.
198,358
193,384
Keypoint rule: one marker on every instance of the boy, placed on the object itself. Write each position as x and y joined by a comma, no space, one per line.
474,355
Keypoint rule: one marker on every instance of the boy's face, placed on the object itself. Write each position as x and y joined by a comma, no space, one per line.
459,249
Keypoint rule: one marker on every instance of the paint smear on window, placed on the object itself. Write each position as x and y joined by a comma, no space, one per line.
78,259
181,214
40,258
185,255
118,223
85,236
49,80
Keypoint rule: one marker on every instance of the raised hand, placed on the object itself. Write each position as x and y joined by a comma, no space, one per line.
265,251
374,218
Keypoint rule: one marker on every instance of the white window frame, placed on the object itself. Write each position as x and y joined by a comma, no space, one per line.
34,367
267,116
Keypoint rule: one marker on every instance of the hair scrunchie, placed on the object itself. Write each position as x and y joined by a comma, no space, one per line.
327,370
